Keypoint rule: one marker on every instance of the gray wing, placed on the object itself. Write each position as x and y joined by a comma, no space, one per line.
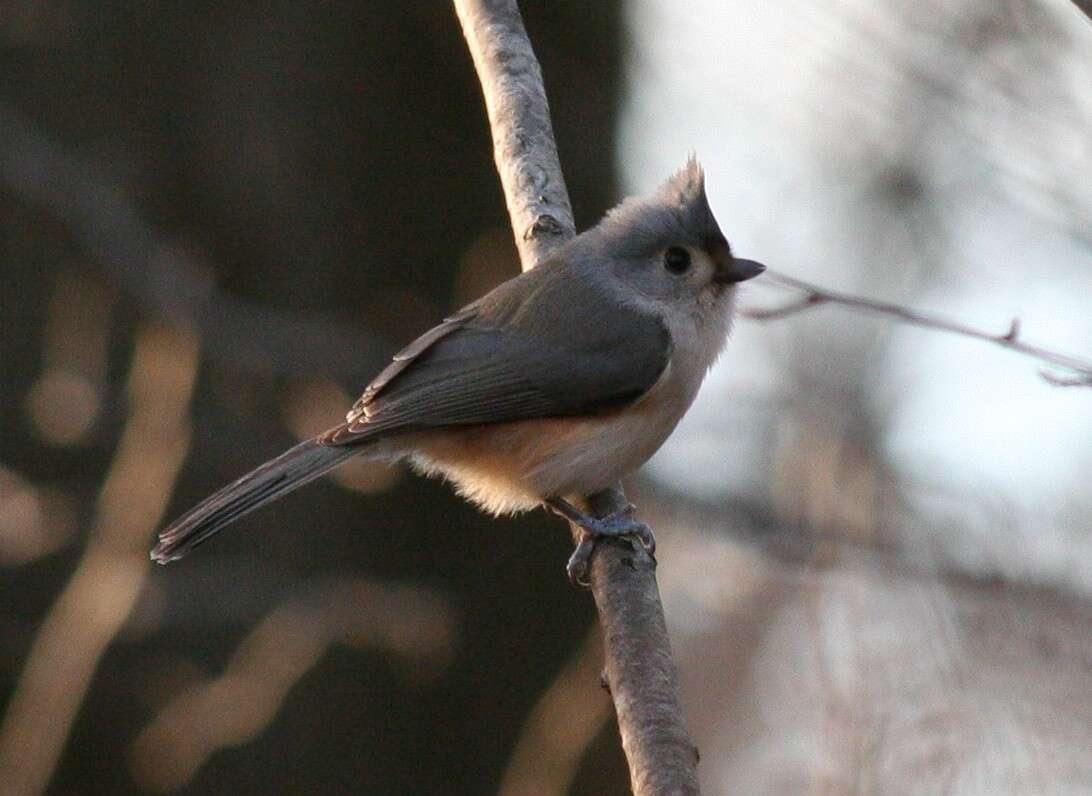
484,367
404,358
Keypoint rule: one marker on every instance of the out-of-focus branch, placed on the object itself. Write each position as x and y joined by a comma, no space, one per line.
286,644
641,673
563,724
165,277
815,296
97,600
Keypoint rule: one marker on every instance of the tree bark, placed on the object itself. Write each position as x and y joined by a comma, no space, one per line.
1085,6
519,118
640,671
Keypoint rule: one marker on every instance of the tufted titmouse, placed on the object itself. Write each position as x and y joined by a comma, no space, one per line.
551,387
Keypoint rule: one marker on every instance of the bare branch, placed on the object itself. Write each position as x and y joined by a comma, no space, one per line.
815,296
168,279
639,667
519,117
640,671
1085,6
1084,380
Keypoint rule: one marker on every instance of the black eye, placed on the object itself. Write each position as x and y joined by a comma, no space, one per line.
677,260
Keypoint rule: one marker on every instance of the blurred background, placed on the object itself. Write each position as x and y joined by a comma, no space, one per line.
217,221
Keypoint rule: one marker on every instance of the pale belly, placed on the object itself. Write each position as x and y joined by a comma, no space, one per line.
511,467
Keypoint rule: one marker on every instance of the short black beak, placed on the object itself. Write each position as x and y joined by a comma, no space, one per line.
738,270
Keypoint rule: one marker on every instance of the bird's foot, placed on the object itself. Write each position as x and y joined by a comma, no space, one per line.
590,529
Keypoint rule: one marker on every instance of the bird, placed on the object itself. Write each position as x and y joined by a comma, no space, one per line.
551,387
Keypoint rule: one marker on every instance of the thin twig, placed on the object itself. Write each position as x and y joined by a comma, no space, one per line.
639,667
815,296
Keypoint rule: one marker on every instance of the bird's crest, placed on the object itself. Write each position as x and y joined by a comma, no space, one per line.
686,187
677,210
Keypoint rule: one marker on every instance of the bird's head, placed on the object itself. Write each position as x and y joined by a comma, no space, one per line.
668,246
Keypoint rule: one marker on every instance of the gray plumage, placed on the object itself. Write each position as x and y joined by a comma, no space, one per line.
557,382
292,469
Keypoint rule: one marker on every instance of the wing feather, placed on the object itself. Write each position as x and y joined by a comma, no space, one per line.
500,360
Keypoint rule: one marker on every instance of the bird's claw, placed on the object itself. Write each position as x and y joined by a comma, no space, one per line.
580,560
590,529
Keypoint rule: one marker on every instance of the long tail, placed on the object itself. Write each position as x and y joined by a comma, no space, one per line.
293,468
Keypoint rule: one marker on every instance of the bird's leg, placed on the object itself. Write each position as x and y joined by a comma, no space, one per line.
620,523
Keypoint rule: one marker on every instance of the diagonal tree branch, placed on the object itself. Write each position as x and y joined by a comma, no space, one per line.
639,667
519,117
1085,6
1080,370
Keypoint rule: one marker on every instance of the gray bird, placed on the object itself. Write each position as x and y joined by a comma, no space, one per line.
551,387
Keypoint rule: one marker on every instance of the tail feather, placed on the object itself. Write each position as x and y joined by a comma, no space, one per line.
293,468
